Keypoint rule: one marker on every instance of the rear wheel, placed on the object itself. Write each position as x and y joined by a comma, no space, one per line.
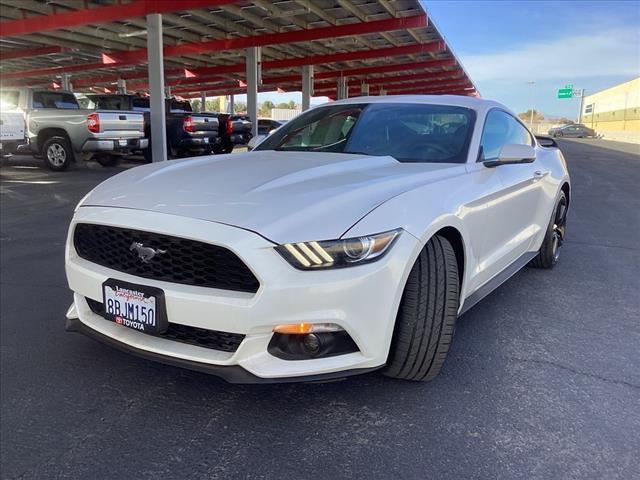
57,153
549,252
427,315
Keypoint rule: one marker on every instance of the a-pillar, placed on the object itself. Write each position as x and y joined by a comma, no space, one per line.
155,60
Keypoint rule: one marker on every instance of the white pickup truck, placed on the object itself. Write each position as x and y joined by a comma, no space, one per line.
12,130
59,131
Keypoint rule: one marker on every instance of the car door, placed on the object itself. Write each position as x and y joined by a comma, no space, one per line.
512,220
572,131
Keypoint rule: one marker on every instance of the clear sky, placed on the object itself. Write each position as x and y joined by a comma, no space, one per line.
505,44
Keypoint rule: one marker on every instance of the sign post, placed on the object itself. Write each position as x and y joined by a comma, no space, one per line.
569,92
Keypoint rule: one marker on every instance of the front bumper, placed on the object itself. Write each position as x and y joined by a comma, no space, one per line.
363,300
115,144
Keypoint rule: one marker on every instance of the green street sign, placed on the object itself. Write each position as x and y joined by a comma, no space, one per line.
565,93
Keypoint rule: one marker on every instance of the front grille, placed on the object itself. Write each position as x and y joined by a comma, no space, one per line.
178,260
200,337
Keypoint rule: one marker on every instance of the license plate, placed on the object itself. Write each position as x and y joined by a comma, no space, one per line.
135,306
122,143
206,140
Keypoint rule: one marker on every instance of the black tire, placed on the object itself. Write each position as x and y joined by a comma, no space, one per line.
549,252
57,153
107,160
146,153
228,148
427,315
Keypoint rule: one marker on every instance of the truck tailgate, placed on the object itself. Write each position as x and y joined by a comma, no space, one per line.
204,124
121,123
241,126
11,126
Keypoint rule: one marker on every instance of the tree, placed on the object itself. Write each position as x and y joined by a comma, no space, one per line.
292,105
283,105
239,107
526,116
213,105
265,109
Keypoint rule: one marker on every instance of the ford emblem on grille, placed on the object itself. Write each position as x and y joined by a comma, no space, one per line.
145,253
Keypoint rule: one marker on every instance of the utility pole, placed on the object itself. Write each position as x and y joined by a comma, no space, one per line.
532,83
581,105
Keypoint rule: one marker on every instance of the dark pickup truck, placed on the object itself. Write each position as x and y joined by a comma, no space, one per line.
188,133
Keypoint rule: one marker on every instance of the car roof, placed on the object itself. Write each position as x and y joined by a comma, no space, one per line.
474,103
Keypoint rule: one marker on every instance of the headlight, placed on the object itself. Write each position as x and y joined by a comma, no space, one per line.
338,253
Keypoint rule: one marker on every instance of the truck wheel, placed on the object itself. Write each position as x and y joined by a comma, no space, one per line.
427,315
549,252
228,148
107,160
57,153
146,153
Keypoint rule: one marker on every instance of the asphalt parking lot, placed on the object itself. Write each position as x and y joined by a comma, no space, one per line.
543,379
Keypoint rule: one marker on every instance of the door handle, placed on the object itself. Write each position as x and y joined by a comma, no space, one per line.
538,175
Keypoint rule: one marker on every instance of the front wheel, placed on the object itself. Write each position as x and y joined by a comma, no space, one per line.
57,153
427,316
549,252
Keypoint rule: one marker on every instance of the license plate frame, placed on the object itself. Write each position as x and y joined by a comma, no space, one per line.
140,323
123,142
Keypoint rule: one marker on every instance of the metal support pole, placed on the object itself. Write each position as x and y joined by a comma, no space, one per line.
252,88
155,59
364,89
203,101
582,106
343,88
231,105
66,82
122,86
382,92
307,86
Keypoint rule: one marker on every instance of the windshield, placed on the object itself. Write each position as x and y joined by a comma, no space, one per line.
409,132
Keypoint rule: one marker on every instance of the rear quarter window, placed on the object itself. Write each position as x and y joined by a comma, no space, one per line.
60,101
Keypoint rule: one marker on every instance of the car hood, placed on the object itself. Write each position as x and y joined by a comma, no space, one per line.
283,196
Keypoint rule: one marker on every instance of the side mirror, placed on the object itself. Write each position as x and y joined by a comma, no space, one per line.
255,141
511,154
546,141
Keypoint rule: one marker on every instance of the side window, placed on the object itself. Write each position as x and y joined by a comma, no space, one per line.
141,104
37,100
56,100
500,128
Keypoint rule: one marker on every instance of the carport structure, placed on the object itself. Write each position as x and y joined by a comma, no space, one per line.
333,48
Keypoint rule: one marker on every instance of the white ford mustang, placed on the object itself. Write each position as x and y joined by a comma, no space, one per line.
349,240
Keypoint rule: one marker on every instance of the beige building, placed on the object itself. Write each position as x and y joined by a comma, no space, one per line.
614,113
